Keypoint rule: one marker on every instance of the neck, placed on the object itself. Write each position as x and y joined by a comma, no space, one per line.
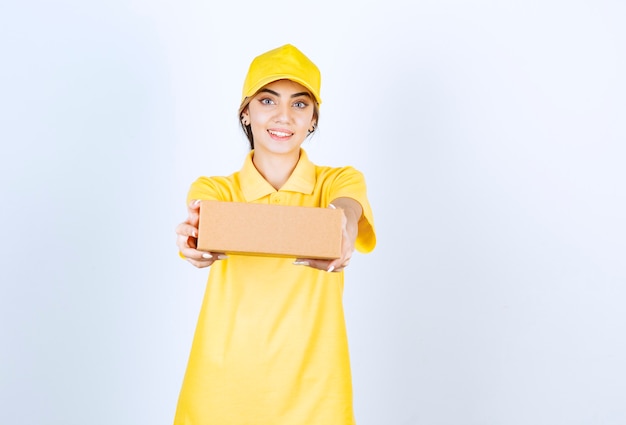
276,169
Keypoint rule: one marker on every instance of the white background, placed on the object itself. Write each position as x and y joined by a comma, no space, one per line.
493,139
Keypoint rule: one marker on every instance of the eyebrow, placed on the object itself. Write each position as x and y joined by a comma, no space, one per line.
304,93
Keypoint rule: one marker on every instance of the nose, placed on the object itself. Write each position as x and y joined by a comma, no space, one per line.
283,112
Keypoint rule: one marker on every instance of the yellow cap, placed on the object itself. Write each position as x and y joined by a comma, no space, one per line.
285,62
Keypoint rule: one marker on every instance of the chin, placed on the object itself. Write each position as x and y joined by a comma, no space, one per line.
281,149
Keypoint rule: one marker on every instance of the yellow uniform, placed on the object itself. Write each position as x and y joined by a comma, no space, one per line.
270,347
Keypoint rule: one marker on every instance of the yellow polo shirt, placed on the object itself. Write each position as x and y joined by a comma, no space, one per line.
270,347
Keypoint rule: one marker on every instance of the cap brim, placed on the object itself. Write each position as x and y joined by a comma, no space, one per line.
275,77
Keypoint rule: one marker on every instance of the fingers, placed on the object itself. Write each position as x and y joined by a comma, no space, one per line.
187,238
206,258
187,234
186,229
194,205
325,265
338,265
187,248
199,264
193,212
186,242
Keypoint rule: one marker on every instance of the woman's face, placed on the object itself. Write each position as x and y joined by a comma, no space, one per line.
280,116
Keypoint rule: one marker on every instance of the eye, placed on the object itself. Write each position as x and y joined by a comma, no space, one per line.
266,101
300,104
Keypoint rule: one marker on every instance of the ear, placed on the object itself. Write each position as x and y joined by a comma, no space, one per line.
245,117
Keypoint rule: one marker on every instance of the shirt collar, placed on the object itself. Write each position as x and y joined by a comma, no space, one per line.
254,186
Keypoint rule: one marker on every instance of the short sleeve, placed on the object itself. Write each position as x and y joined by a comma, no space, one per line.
210,188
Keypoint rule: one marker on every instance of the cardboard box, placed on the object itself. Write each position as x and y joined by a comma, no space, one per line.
263,229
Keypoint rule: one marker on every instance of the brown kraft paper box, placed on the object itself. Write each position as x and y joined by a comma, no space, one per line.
264,229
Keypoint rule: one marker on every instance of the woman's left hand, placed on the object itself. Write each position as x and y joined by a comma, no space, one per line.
351,214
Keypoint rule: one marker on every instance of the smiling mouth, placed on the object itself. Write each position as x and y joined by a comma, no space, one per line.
279,133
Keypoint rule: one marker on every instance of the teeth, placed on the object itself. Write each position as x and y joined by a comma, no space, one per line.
280,133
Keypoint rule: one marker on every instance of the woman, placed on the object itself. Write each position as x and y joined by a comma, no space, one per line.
270,346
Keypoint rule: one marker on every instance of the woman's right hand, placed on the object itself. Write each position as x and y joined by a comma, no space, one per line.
187,239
